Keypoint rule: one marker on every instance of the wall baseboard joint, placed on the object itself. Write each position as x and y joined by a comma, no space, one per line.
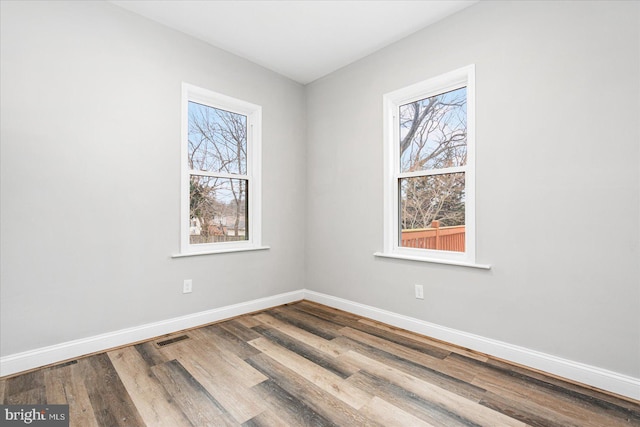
614,382
43,356
589,375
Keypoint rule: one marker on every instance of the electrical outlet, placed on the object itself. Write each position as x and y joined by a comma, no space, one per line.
419,292
187,287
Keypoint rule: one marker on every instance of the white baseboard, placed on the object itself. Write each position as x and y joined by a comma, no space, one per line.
590,375
27,360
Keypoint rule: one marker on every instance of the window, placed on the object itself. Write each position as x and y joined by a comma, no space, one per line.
221,191
429,170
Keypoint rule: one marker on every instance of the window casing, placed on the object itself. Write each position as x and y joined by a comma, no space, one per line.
429,165
221,171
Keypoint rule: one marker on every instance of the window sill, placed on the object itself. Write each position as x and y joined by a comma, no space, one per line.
221,251
433,260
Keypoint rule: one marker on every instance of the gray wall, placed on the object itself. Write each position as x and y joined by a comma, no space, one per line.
557,179
91,174
90,107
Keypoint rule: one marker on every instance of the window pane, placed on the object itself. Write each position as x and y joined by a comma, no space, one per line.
432,212
217,140
218,210
433,132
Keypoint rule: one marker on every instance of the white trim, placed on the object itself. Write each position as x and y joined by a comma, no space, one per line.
217,174
586,374
253,174
433,260
614,382
462,77
443,171
31,359
222,251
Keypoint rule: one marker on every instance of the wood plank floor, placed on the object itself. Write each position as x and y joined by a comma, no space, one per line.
305,364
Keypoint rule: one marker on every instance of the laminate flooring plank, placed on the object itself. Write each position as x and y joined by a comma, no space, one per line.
56,383
26,389
111,403
298,312
308,392
239,402
34,396
441,366
327,312
391,415
409,402
230,342
529,412
427,340
328,347
198,405
418,370
353,321
267,419
240,330
224,384
622,403
151,399
197,348
584,408
306,326
472,411
324,379
77,395
3,384
293,411
247,321
411,343
526,394
151,355
330,363
64,386
591,398
226,361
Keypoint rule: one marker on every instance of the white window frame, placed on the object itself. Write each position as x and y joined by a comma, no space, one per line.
462,77
253,174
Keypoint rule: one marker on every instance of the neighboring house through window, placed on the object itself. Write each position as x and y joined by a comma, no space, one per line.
221,189
429,142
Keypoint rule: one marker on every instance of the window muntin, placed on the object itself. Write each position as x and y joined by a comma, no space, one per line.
221,173
429,164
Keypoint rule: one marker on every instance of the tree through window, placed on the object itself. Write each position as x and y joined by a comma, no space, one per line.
429,146
433,139
217,203
221,165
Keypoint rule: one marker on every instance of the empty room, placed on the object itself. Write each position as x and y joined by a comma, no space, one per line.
320,213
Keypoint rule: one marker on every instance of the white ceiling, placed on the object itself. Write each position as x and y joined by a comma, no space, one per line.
303,40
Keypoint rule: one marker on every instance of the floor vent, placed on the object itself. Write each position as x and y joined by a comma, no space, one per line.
172,340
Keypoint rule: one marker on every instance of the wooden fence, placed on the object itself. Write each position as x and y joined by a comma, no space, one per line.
198,239
435,237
